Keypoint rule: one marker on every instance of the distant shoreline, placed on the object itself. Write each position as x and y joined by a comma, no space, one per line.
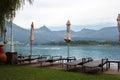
72,43
83,42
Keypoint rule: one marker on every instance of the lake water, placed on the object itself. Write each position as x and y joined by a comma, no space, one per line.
94,51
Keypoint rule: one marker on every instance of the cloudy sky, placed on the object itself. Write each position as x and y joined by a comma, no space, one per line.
55,13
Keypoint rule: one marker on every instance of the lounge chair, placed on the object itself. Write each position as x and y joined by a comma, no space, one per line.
68,59
20,58
78,62
48,58
55,58
95,64
28,58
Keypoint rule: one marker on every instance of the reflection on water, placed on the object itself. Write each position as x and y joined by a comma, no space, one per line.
94,51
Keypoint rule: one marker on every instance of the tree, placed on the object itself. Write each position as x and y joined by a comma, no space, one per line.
8,10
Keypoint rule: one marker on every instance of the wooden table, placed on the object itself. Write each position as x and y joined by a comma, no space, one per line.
114,61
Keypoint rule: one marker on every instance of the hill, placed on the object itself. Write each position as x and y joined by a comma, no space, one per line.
45,35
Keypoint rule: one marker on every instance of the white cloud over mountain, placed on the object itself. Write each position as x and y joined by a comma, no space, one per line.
79,12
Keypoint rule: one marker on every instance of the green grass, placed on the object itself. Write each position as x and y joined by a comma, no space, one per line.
10,72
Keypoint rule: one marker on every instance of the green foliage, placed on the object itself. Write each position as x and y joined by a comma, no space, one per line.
10,72
8,10
56,43
109,43
83,42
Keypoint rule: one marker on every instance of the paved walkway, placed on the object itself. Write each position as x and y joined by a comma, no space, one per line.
112,70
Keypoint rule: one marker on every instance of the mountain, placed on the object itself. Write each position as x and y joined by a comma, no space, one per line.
45,35
107,33
20,34
80,27
42,29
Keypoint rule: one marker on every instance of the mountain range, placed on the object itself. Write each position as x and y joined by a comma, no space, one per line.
45,35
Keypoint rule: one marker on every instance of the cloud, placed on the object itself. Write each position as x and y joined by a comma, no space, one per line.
79,12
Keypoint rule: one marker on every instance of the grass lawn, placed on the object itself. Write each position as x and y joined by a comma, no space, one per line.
11,72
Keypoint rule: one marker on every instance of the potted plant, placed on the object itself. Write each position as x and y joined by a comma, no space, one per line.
3,57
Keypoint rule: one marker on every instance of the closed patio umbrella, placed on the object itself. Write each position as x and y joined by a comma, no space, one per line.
31,37
5,37
67,36
118,24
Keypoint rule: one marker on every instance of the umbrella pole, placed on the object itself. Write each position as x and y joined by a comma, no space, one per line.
68,52
119,35
68,49
30,51
30,47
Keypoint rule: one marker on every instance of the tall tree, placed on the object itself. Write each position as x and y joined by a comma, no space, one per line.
8,10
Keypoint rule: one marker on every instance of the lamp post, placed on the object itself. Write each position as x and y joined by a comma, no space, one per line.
12,41
12,55
67,37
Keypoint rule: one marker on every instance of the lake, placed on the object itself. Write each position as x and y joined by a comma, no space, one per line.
94,51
